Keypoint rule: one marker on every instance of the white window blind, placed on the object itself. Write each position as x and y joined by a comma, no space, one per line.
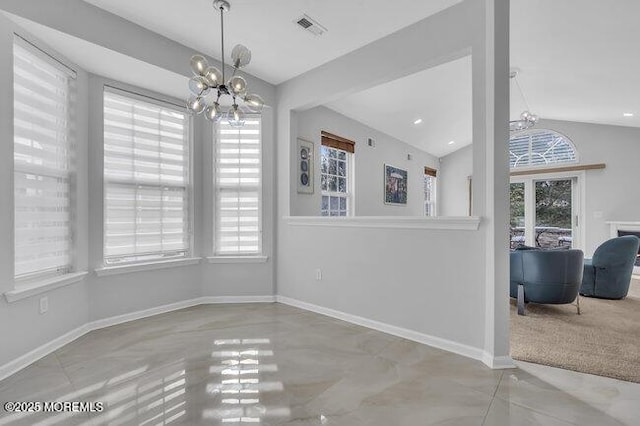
44,168
238,215
147,179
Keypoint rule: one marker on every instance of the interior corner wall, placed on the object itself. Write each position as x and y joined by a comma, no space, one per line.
612,193
453,182
410,279
242,279
368,165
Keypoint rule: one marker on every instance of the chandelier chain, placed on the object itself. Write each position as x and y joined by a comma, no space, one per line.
527,119
526,104
222,36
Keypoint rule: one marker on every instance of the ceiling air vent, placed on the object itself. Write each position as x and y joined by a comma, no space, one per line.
311,25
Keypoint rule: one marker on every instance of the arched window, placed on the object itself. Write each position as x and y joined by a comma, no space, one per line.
540,147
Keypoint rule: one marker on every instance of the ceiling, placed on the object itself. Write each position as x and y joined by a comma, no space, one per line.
579,59
443,102
280,48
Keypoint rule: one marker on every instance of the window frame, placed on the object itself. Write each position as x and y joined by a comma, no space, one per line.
162,101
348,195
41,52
259,255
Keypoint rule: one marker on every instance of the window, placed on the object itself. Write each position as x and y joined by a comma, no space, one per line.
429,191
540,148
335,160
147,179
546,206
44,167
238,188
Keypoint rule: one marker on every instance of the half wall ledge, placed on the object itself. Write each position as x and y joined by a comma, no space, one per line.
471,223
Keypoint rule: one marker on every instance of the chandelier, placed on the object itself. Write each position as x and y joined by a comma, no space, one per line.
527,119
209,80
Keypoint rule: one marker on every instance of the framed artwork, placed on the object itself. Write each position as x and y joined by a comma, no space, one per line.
304,166
395,186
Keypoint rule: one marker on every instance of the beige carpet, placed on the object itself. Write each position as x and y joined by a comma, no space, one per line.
604,340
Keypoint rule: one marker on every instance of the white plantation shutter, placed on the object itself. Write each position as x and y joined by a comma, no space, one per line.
540,148
238,215
44,168
147,179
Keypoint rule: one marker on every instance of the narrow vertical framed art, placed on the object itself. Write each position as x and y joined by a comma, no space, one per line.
304,166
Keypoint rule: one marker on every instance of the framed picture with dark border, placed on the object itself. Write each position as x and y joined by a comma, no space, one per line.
395,185
304,166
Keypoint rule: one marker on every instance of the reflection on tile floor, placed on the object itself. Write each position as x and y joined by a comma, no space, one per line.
272,364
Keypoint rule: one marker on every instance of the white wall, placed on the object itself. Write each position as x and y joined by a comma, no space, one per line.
411,279
612,194
368,181
22,329
453,182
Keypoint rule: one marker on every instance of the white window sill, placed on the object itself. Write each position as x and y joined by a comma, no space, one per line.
38,287
146,266
237,259
466,223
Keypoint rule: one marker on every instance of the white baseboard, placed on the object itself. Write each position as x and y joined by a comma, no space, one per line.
211,300
132,316
436,342
29,358
498,362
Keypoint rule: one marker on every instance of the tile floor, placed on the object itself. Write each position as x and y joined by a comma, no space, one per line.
272,364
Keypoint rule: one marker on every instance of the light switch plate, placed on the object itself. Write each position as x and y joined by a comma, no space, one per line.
44,304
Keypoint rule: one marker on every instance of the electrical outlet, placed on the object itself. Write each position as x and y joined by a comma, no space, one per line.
44,304
318,274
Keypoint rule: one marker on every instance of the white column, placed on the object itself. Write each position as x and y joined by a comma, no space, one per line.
496,180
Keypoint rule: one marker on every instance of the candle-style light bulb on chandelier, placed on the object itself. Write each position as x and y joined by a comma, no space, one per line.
527,119
210,80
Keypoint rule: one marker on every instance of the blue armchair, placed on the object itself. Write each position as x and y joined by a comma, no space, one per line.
545,276
608,274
